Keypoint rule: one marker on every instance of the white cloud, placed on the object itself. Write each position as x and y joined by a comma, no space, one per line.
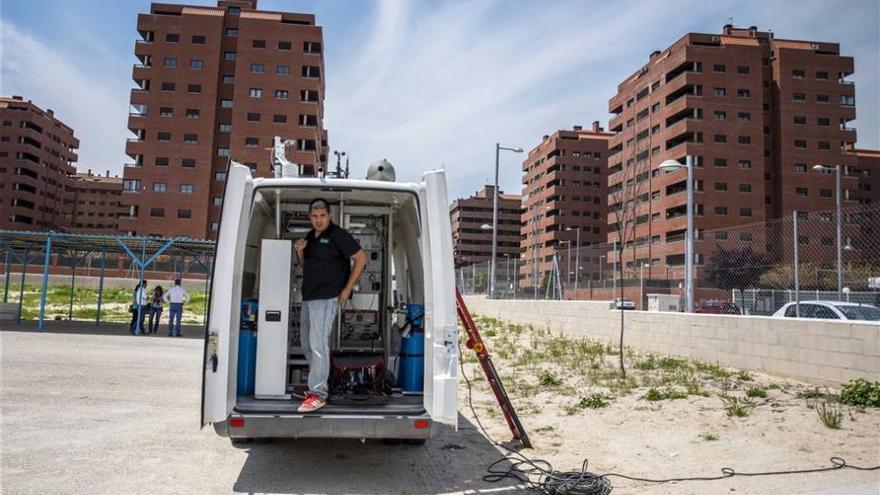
81,92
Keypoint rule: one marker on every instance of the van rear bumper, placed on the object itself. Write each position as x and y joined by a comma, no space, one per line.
330,426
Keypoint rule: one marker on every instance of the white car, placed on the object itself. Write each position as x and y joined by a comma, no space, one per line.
623,303
830,310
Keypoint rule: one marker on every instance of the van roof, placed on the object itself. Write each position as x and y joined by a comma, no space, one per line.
336,183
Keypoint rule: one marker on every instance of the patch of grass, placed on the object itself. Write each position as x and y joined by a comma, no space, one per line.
861,393
744,376
830,414
755,392
737,406
655,394
649,363
594,401
709,437
774,386
811,393
696,389
712,370
545,429
670,363
547,379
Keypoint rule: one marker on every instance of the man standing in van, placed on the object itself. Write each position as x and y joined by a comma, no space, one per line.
328,279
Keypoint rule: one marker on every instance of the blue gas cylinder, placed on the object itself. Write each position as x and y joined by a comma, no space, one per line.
415,314
412,362
247,361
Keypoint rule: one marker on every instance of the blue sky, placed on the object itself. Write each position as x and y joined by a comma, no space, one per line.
425,83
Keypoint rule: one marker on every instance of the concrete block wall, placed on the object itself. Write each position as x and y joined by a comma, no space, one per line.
805,349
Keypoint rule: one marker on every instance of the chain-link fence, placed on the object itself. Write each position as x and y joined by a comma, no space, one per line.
750,265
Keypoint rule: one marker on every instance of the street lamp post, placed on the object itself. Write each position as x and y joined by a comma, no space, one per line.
672,166
577,253
601,275
498,149
642,285
837,195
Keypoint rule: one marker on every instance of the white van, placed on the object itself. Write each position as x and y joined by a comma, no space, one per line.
405,230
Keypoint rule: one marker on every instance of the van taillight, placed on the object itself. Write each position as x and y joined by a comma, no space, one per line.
236,422
421,424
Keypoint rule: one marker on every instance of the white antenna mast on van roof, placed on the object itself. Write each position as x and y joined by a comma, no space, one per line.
280,164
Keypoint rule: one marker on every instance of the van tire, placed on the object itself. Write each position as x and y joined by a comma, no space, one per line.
240,441
415,441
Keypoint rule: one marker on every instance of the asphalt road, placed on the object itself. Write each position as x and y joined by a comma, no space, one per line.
99,411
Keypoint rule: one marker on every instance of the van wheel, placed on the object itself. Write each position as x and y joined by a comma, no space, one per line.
420,441
240,441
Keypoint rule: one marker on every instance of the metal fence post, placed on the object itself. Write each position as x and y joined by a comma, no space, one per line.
45,283
797,282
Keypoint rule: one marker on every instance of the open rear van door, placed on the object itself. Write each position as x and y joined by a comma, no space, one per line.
441,331
221,340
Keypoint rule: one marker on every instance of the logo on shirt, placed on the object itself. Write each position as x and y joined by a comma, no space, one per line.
324,241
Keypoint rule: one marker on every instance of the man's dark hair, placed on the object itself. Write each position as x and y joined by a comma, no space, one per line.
176,281
320,204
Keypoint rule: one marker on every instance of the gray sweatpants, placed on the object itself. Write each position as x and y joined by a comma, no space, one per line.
316,325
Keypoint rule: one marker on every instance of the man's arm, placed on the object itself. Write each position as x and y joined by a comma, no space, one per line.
300,246
360,262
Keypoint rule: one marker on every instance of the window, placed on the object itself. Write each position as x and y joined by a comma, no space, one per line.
222,151
847,100
824,145
131,185
308,120
311,47
161,161
745,164
163,136
798,97
800,120
721,186
823,121
166,112
198,40
192,113
279,118
744,117
231,32
190,138
258,68
745,236
220,176
228,55
227,79
281,94
801,191
258,43
742,69
743,93
215,226
172,38
745,188
822,76
216,201
745,140
719,115
827,241
194,88
282,69
284,45
255,93
226,103
822,98
167,86
655,107
159,187
234,10
720,138
797,73
251,142
157,212
169,63
824,193
196,64
721,162
721,210
800,143
184,213
253,117
188,162
186,189
225,127
719,68
719,91
311,71
745,212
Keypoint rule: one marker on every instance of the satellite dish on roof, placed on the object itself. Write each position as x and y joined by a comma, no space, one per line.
381,170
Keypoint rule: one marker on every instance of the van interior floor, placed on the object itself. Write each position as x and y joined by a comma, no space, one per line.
404,405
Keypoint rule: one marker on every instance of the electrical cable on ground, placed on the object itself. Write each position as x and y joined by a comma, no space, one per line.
538,474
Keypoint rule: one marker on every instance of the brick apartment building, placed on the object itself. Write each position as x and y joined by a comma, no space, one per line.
565,189
37,153
94,206
755,111
470,242
214,84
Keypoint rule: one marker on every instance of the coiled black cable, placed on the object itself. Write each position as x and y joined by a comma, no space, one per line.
538,474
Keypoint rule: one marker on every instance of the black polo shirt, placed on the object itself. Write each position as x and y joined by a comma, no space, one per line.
327,262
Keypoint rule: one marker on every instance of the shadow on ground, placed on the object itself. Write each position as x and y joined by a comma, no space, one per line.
89,328
452,462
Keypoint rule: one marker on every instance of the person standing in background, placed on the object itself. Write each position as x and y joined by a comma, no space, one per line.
139,308
156,305
177,297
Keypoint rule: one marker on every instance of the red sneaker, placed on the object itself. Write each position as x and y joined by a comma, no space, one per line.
311,404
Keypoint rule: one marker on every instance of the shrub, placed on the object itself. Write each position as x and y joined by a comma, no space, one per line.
756,392
548,379
654,394
861,393
737,406
830,415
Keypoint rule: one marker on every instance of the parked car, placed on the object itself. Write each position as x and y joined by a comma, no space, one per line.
830,310
719,308
623,303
